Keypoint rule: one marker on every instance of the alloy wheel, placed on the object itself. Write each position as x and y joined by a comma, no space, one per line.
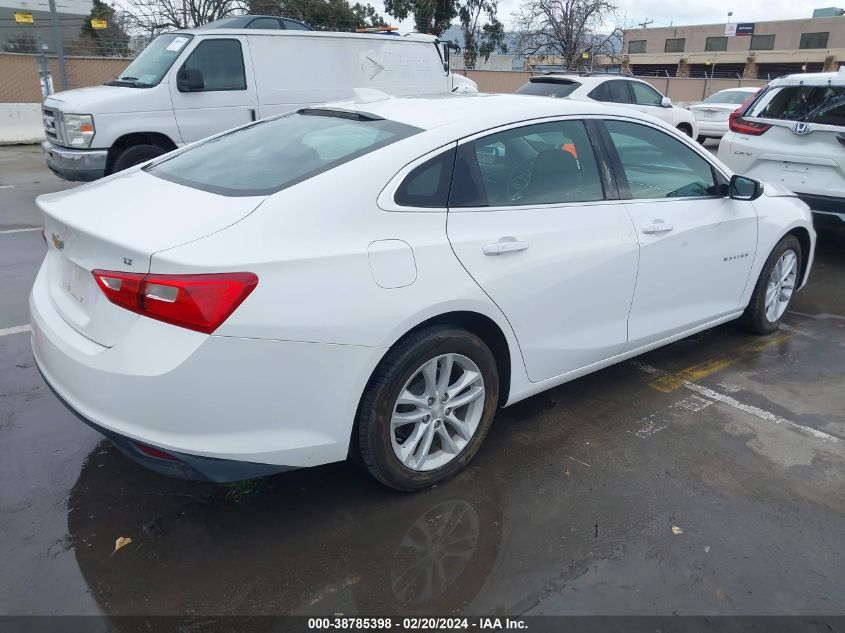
781,285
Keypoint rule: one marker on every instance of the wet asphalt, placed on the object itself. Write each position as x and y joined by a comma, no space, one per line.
704,478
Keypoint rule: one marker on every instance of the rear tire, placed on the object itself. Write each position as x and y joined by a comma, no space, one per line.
686,129
430,369
135,155
780,276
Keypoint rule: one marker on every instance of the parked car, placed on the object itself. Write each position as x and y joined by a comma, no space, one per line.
793,134
289,293
625,92
187,85
712,113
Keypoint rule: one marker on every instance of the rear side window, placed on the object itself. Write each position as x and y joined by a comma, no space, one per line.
548,88
277,153
221,63
615,91
428,184
265,23
814,104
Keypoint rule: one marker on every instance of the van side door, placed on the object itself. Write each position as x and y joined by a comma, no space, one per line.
223,93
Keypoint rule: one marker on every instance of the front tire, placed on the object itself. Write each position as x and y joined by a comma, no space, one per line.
135,155
780,275
427,408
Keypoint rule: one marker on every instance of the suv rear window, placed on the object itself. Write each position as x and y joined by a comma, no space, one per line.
814,104
547,87
280,152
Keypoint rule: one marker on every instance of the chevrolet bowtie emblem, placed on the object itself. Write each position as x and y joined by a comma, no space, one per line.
58,242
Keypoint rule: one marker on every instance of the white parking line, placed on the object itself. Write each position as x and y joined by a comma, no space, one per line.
18,329
9,231
757,412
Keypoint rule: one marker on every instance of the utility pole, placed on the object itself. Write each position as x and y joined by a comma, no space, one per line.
644,24
57,41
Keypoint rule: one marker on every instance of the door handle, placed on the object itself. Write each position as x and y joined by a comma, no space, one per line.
657,226
504,245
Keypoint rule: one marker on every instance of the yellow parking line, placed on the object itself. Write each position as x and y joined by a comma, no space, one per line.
672,382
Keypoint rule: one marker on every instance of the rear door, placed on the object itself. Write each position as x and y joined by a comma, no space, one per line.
804,147
536,224
696,244
228,98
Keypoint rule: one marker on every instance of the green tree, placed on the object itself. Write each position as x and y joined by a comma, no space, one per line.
430,16
112,41
482,31
324,15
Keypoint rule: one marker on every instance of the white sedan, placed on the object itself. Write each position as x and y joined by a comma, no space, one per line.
712,114
375,278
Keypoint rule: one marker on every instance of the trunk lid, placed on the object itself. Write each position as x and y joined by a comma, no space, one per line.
117,224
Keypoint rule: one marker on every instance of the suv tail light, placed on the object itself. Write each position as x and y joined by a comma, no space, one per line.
196,302
737,124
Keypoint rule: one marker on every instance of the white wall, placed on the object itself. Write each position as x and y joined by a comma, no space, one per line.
20,123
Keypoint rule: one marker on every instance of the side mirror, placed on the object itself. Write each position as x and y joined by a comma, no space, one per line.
666,102
744,188
189,80
446,52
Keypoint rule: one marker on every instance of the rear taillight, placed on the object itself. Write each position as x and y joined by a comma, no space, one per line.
744,126
196,302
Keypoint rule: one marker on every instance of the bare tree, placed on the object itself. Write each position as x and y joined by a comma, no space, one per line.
566,29
155,16
482,31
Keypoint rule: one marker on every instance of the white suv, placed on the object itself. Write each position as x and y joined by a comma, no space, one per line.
626,92
793,133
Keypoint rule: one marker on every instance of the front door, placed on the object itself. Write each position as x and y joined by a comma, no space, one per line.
530,220
227,98
696,244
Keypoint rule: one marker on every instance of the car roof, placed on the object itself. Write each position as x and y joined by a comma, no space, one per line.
480,110
811,79
410,37
588,79
243,21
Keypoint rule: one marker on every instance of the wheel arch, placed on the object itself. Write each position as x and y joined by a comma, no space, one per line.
803,236
137,138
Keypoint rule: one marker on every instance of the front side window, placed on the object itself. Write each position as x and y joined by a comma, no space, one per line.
674,45
762,43
799,103
659,166
636,46
280,152
813,40
221,63
716,44
646,95
152,64
544,163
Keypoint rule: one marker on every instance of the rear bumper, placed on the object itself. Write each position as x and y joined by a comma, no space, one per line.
828,211
79,165
223,407
712,129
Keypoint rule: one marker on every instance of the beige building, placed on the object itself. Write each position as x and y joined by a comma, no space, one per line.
752,50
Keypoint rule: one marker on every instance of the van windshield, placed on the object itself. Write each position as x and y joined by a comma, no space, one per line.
153,62
276,153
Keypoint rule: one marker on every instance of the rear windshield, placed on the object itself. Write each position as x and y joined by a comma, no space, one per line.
277,153
737,97
814,104
548,87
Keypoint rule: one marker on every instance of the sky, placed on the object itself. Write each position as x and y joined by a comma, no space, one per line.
678,13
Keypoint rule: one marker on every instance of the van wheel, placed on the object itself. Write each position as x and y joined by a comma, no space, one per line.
427,408
780,276
135,155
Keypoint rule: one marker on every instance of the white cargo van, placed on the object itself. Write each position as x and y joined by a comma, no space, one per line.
187,85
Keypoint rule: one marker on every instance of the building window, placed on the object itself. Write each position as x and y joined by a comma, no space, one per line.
716,44
636,46
813,40
677,45
762,43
